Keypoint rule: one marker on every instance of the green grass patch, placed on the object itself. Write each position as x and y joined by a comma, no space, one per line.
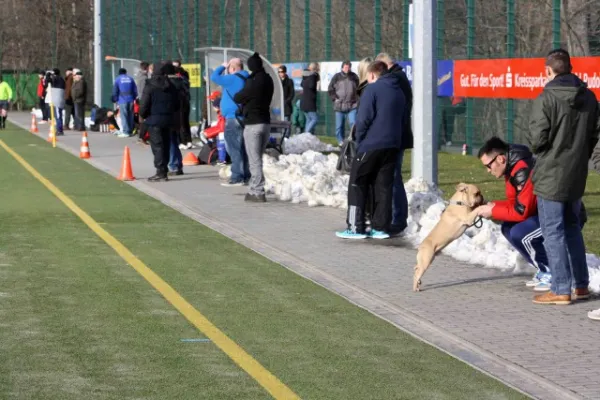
77,322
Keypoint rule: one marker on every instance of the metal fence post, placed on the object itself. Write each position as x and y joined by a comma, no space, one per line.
237,23
351,27
556,24
510,51
269,30
186,31
251,23
307,30
196,45
174,49
287,30
405,27
221,23
470,52
163,29
377,26
209,23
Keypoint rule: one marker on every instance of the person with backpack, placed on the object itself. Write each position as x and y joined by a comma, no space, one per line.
232,83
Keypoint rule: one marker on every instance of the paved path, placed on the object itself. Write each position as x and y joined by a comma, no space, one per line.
478,315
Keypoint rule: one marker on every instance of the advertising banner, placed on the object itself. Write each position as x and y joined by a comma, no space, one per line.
516,78
294,71
445,73
194,71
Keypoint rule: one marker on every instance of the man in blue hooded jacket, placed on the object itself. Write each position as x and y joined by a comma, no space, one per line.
379,125
232,83
124,93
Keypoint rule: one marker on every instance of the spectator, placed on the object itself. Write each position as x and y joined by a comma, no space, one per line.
6,95
308,102
103,116
363,65
518,213
79,95
235,138
288,92
563,132
158,106
400,201
140,82
457,106
185,133
41,94
298,118
183,91
379,138
342,90
124,93
56,97
69,107
255,99
184,73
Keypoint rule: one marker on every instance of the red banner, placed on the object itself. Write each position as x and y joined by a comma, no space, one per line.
516,78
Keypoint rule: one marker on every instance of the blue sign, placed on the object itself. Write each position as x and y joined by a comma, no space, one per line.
445,72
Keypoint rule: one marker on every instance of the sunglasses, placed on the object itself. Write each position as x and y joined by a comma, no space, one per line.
489,165
281,72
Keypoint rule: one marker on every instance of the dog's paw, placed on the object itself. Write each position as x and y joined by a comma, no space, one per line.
417,286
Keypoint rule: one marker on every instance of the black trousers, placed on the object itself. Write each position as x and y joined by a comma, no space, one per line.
373,170
69,112
45,110
160,143
185,132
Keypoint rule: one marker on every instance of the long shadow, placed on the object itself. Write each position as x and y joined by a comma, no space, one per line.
427,286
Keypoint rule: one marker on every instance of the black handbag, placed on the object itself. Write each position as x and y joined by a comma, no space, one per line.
347,155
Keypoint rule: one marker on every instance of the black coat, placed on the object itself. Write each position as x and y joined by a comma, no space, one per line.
407,133
288,95
183,91
308,103
160,102
255,98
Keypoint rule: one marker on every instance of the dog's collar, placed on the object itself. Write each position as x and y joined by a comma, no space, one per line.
458,203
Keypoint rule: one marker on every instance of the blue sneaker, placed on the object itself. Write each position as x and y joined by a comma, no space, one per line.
544,284
535,280
348,234
375,234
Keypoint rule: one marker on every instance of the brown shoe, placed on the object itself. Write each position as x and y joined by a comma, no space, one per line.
551,298
581,294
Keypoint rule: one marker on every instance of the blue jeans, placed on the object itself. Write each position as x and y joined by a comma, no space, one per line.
400,202
340,119
175,156
311,121
234,141
126,110
564,244
526,237
58,112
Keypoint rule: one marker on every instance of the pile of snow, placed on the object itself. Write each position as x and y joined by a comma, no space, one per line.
311,177
299,144
38,114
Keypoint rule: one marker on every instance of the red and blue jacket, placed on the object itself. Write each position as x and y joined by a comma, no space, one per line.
520,202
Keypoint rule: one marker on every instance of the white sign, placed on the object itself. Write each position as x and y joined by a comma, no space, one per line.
329,69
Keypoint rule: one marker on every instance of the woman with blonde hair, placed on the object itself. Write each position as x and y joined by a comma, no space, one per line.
362,75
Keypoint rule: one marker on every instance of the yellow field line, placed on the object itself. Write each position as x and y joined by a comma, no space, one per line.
267,380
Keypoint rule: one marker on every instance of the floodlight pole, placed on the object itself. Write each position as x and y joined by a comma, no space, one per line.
98,52
424,69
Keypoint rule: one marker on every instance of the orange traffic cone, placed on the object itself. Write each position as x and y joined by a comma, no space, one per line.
126,173
52,133
34,126
84,150
191,159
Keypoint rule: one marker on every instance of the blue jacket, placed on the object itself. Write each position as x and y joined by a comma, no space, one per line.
124,90
381,115
231,84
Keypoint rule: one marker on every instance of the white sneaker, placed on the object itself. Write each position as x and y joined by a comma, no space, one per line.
189,145
595,315
534,281
182,147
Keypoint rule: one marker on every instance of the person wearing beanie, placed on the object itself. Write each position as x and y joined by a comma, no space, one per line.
124,93
255,99
159,106
342,90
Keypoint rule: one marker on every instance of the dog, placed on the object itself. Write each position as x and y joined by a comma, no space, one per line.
456,218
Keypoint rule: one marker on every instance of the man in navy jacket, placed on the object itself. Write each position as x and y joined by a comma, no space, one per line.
379,123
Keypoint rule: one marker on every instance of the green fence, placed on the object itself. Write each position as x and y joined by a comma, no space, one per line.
334,30
24,87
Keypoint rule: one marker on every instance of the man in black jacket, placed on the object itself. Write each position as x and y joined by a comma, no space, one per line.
308,102
183,91
400,201
255,99
288,91
159,106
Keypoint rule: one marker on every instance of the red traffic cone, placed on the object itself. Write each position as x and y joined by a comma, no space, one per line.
126,172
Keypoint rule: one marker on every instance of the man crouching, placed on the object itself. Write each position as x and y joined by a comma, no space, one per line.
379,123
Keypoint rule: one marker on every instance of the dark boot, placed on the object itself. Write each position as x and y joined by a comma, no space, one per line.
3,122
159,177
174,173
255,198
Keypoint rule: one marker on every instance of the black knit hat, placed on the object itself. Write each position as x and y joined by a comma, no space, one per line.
255,63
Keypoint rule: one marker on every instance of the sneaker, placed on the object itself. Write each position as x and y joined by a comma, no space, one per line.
158,178
551,298
182,147
123,135
255,198
580,294
595,315
545,280
221,163
232,184
535,280
348,234
375,234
